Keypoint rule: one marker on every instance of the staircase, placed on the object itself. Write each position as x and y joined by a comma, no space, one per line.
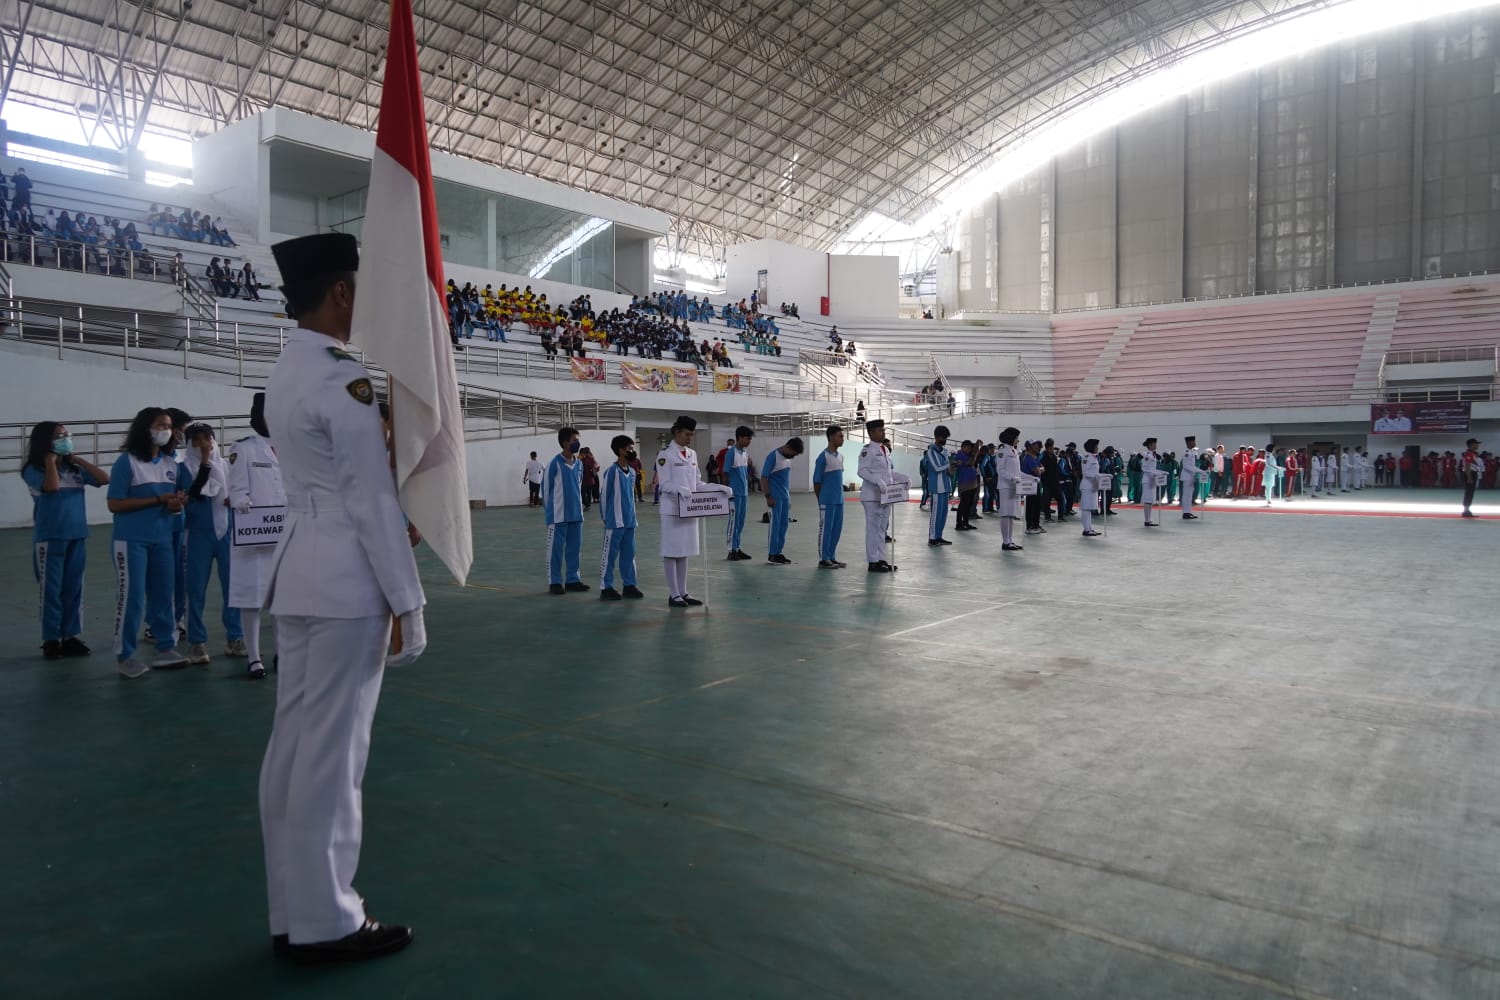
1368,375
1104,363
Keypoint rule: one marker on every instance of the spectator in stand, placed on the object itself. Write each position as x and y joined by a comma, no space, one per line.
218,278
22,183
250,283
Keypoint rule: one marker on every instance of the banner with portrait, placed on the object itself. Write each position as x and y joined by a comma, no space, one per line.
587,369
1419,418
726,382
658,378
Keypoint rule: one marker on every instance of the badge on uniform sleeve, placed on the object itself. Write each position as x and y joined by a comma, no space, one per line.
362,390
864,452
232,456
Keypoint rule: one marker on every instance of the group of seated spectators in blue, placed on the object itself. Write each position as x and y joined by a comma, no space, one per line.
77,242
190,224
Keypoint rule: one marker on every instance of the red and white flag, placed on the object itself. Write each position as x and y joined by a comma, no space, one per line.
399,314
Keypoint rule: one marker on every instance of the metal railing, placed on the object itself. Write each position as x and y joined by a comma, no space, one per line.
1441,355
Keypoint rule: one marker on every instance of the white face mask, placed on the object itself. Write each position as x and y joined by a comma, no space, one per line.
161,438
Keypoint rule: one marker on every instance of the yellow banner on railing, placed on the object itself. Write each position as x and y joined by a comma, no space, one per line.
726,382
658,378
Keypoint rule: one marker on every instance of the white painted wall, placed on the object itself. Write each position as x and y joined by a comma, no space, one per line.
863,287
795,274
220,163
51,285
291,214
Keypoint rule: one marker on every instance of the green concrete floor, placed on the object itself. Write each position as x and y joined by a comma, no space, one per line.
1252,756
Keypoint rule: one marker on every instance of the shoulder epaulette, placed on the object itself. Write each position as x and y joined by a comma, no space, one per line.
341,354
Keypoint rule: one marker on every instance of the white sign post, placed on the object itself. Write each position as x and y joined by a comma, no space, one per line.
896,493
1105,483
701,504
260,526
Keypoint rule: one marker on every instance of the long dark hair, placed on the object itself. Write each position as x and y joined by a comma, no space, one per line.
40,445
138,439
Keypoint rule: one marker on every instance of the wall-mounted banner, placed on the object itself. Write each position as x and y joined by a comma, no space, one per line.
658,378
1419,418
259,526
726,382
588,369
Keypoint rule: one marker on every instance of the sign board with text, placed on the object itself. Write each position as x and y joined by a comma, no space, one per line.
705,503
260,526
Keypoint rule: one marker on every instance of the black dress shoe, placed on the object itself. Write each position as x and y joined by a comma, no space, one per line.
634,593
880,567
609,594
691,601
1190,517
577,587
74,646
676,602
933,543
1010,547
373,940
52,650
555,588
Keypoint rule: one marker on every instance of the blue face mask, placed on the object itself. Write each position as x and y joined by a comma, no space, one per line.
575,446
62,446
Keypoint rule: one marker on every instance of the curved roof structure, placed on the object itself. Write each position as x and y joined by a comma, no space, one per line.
740,119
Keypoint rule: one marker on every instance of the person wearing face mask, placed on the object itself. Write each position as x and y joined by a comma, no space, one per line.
254,481
178,452
617,509
341,572
207,541
562,503
677,475
55,477
145,501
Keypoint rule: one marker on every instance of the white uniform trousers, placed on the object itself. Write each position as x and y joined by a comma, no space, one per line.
310,812
877,520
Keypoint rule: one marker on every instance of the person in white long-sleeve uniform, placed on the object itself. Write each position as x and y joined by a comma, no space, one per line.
1008,474
678,476
876,472
1088,496
342,570
254,482
1187,477
1149,458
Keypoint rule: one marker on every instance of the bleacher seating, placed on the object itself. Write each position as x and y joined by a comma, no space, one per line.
1268,351
1451,313
1077,341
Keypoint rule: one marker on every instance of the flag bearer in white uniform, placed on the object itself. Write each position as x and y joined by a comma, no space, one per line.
1008,471
342,570
1187,476
1315,465
1148,478
876,473
1088,496
677,475
254,481
1346,471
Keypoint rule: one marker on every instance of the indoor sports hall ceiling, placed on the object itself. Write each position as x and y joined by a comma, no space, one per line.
740,119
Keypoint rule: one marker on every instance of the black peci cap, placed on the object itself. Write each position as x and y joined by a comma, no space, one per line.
308,258
875,425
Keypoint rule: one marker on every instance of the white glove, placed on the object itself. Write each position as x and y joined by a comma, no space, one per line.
723,489
413,640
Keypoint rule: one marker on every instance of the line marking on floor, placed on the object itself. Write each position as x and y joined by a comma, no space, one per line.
945,621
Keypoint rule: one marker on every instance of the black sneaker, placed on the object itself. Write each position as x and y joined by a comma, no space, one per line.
52,650
779,560
555,588
933,543
74,646
577,586
634,593
609,594
744,555
944,541
1190,517
827,564
1091,534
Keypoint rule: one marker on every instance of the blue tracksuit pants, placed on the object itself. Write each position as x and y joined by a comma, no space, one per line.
144,580
781,516
830,527
734,525
563,542
58,564
203,551
619,545
179,578
939,517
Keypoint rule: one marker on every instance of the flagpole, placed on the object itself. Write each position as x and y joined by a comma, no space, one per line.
390,449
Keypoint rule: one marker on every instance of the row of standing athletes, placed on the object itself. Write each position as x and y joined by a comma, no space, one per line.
678,477
173,497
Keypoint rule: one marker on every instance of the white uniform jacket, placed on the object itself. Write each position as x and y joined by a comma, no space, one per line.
254,481
1148,476
1008,470
677,472
876,472
1187,469
345,552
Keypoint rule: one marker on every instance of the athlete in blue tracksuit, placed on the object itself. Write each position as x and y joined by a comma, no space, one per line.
144,500
737,476
55,477
207,538
617,508
180,420
777,474
939,484
562,504
828,483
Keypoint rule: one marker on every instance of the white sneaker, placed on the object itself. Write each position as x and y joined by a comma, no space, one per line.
132,668
169,659
235,648
198,653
